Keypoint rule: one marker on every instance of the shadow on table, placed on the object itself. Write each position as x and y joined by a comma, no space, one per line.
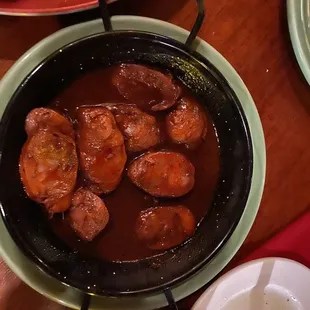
160,9
18,34
15,295
23,297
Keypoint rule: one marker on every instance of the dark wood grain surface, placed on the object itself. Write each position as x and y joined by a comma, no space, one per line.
253,36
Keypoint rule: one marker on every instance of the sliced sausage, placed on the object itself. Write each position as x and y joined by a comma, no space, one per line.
48,167
47,119
101,149
136,82
88,214
166,174
161,228
140,129
187,123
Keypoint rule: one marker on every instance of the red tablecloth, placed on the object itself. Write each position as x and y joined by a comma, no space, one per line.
293,242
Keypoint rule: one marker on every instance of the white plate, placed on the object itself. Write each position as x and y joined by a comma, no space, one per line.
298,16
265,284
71,297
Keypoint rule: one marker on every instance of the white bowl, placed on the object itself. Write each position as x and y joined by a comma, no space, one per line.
265,284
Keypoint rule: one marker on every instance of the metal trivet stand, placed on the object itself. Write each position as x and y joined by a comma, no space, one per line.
189,42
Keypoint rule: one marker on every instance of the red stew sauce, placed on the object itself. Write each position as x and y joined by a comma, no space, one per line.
118,242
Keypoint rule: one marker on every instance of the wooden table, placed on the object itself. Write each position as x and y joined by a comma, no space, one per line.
253,36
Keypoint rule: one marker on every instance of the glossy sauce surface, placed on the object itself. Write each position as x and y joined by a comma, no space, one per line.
118,241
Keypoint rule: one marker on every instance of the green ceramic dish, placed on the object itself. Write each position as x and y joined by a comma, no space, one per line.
70,297
298,16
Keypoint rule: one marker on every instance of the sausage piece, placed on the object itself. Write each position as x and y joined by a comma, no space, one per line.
48,167
88,214
136,81
187,123
47,119
163,174
161,228
101,149
140,129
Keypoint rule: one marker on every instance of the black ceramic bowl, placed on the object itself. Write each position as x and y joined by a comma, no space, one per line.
27,223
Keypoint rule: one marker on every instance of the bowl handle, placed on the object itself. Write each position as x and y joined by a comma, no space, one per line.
170,299
86,302
104,12
105,16
197,25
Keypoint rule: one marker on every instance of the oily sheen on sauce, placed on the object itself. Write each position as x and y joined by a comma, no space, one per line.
118,242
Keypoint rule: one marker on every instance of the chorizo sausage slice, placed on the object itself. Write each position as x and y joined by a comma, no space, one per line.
88,215
140,129
101,149
136,81
48,168
161,228
47,119
163,174
187,124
